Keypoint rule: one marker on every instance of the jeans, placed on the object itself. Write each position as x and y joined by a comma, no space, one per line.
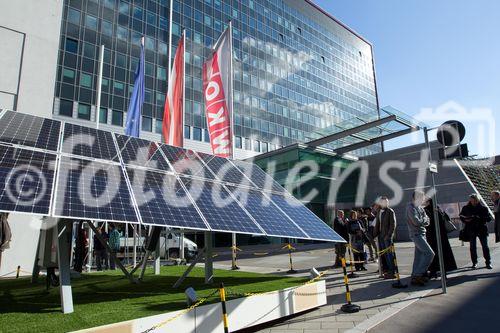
423,255
112,264
101,256
388,257
484,244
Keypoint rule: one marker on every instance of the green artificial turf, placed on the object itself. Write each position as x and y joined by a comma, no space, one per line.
104,298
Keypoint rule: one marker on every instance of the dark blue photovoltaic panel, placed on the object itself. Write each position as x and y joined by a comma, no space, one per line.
26,179
162,200
88,142
305,219
225,170
270,218
186,162
141,152
220,210
260,178
93,190
27,130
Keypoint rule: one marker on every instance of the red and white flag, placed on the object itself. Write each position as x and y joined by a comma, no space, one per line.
217,89
174,102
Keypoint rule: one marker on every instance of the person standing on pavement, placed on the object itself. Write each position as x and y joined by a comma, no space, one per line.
370,231
448,258
475,216
340,227
114,244
357,242
495,197
385,230
417,222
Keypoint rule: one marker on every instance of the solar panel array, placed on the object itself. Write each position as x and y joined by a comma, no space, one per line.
71,171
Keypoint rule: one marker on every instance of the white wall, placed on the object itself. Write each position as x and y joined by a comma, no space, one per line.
29,35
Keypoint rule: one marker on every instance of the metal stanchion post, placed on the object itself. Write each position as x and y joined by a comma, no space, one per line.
234,248
351,275
398,284
224,310
290,248
18,271
348,307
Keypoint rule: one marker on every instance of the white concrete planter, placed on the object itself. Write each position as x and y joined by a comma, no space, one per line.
242,312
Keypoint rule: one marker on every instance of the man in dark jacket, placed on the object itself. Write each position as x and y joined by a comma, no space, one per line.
5,234
385,230
340,226
495,197
475,216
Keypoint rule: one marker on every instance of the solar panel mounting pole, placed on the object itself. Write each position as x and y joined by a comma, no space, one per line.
63,244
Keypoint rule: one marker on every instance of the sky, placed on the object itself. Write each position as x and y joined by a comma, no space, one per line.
439,55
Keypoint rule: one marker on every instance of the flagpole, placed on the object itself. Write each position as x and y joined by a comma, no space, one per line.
99,86
181,240
171,17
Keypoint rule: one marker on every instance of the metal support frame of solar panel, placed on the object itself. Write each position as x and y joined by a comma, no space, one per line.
231,175
180,161
30,131
259,177
41,141
312,225
85,148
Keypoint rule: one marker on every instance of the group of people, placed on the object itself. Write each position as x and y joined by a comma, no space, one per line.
375,228
103,259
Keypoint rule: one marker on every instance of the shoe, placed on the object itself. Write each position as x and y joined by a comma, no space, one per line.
417,281
474,266
433,275
389,276
363,269
488,266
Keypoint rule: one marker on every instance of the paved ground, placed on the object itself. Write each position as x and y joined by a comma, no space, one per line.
379,301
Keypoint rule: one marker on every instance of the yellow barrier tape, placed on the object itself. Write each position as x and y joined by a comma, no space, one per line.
378,252
235,248
260,253
288,247
165,322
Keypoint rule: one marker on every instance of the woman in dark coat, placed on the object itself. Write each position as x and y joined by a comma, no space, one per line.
448,257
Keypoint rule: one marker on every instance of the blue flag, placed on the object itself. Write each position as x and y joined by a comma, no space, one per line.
133,124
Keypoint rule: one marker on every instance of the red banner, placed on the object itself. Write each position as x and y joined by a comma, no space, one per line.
174,102
217,80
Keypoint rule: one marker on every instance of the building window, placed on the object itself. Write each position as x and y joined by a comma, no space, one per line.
91,22
107,28
117,118
71,45
187,132
323,59
85,80
84,111
264,146
159,126
237,142
299,31
73,16
282,38
147,124
206,135
248,144
68,75
197,133
66,108
256,145
103,115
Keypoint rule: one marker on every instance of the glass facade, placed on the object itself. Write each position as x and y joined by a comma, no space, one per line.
297,72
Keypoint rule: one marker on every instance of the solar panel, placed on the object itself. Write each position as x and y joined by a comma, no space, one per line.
88,142
259,177
186,162
221,211
141,152
26,130
163,201
225,170
93,190
26,179
305,219
265,213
